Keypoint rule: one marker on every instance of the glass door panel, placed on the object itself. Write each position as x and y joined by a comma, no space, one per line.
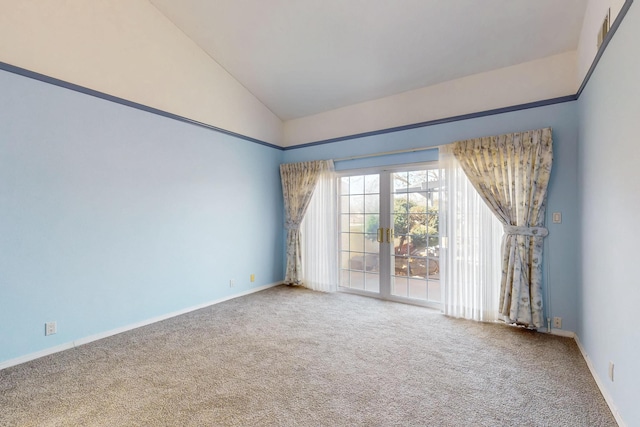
360,220
415,257
389,236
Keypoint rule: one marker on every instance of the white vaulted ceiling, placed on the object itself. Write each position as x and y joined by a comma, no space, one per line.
302,57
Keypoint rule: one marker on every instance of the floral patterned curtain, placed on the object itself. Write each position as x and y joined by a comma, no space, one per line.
511,172
298,183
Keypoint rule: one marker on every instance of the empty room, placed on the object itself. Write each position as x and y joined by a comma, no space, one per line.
319,212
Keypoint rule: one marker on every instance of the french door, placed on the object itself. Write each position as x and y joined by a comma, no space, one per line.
389,233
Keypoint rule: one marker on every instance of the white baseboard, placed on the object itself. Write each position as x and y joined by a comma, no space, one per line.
603,390
95,337
36,355
563,333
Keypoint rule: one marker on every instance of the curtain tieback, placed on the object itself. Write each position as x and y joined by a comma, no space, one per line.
291,225
526,231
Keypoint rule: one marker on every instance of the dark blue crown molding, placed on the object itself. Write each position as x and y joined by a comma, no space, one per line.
102,95
122,101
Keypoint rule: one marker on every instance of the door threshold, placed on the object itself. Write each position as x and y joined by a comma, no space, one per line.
435,306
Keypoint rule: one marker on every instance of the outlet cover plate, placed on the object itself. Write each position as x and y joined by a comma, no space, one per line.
50,328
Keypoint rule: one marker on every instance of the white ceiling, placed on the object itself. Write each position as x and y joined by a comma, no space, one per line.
301,57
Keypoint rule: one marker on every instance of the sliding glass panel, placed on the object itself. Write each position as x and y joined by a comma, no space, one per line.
360,219
415,225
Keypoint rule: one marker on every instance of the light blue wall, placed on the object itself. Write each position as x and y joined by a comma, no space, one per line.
609,160
561,263
110,215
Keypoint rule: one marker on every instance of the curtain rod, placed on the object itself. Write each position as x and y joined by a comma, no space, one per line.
386,153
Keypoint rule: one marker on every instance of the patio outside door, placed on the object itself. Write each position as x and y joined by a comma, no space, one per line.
389,234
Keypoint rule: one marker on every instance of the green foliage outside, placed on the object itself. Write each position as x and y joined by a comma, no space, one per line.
412,219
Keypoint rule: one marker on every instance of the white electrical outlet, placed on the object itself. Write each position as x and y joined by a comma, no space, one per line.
557,322
232,283
557,218
611,366
50,328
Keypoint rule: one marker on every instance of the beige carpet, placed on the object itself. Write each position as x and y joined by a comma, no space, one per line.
292,357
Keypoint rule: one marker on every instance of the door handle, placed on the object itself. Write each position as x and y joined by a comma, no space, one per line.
380,236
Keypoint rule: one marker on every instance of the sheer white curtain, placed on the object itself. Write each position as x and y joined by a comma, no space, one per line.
470,249
319,235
